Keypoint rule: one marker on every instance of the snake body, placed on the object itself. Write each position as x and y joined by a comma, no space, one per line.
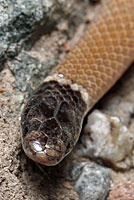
52,119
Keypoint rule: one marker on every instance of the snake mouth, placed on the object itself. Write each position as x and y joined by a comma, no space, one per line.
48,152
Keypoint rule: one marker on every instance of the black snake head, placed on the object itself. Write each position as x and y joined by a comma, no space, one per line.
51,122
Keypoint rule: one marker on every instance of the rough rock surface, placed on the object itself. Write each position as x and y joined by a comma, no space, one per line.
90,181
29,71
21,20
20,178
122,191
105,138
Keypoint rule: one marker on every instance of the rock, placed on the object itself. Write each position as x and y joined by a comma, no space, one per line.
90,180
29,71
106,138
19,20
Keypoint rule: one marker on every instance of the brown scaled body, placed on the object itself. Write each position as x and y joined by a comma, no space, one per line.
105,51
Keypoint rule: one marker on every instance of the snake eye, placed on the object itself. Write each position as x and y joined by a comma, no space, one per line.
27,129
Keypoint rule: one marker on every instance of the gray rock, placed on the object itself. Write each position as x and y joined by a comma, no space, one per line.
29,71
20,19
91,181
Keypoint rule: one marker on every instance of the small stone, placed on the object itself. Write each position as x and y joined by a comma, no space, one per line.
107,139
1,90
67,185
90,180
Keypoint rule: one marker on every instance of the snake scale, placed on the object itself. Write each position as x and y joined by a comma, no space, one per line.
52,118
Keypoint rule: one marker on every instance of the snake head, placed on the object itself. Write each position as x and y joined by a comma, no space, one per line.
51,123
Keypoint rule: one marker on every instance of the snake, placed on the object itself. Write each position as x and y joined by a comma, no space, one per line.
52,118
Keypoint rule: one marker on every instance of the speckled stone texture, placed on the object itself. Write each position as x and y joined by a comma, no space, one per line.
90,181
122,191
29,71
22,20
